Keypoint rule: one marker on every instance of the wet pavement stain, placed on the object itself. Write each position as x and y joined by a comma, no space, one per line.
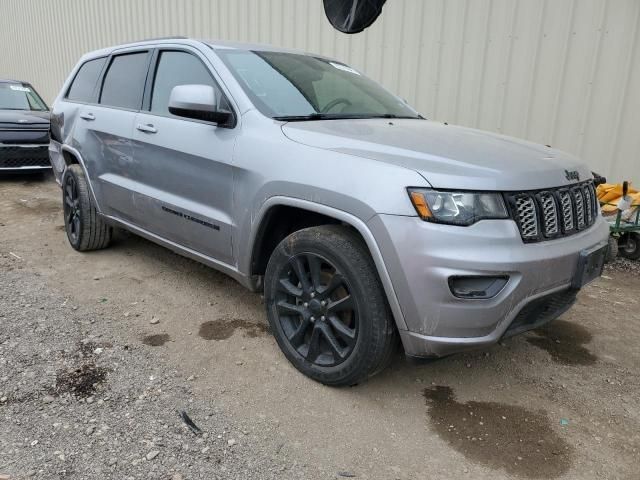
156,340
564,341
80,382
500,436
223,329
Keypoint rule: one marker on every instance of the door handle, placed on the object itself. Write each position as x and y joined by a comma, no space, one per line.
147,128
90,117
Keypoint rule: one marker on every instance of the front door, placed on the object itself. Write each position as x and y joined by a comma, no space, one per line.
183,171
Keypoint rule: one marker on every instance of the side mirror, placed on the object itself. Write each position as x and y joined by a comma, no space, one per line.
198,102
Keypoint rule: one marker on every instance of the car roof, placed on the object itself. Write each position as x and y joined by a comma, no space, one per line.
227,45
215,44
8,80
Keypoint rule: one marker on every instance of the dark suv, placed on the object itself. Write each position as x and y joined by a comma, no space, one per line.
24,128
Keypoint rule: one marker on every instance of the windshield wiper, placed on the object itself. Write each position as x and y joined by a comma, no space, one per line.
337,116
311,116
391,115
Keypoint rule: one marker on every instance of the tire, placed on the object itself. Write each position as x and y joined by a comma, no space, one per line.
327,308
85,228
612,251
629,246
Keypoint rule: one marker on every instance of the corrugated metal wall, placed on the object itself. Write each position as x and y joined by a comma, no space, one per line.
559,72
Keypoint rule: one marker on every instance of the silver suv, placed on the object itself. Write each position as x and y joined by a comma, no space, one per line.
362,222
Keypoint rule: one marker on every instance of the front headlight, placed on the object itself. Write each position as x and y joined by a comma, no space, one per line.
457,208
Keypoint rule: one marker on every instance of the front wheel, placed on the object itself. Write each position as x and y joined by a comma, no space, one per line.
326,306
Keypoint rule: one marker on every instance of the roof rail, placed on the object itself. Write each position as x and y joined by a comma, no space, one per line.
170,37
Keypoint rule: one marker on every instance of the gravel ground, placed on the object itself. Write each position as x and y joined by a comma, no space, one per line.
621,264
101,352
79,401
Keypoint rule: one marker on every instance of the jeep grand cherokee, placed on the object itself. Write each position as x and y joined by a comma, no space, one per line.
361,221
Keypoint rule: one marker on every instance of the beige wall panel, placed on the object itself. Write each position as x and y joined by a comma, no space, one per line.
559,72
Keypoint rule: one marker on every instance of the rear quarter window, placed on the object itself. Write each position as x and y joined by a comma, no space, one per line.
84,83
124,81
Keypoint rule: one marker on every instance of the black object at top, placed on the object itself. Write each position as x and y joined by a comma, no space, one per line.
352,16
598,179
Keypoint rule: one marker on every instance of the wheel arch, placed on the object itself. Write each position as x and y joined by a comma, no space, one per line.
71,156
258,250
277,223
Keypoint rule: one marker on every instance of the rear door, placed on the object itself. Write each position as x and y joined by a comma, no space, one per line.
106,128
66,125
182,168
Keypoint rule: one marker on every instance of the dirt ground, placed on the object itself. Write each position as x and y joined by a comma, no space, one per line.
109,346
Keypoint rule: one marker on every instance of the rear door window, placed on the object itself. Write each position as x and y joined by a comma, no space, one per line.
84,83
124,81
179,68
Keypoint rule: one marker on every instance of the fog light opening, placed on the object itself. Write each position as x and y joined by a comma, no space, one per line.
477,287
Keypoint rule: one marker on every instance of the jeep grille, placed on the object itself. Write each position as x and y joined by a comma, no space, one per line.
552,213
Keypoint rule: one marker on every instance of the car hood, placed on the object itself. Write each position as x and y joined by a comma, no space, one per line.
24,119
446,156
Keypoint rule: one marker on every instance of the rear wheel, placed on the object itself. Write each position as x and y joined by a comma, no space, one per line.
326,306
85,228
629,246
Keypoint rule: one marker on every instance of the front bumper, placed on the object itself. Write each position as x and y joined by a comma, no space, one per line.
24,158
422,256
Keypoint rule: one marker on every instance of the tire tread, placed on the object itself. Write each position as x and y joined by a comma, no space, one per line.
95,232
377,353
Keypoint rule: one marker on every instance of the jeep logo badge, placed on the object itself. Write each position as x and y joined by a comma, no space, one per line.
572,175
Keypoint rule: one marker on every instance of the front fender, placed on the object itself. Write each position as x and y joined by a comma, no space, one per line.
78,158
342,216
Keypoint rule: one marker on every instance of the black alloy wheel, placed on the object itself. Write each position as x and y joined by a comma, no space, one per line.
86,229
316,310
71,208
326,306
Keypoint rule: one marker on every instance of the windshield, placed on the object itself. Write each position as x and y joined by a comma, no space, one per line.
291,86
16,96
